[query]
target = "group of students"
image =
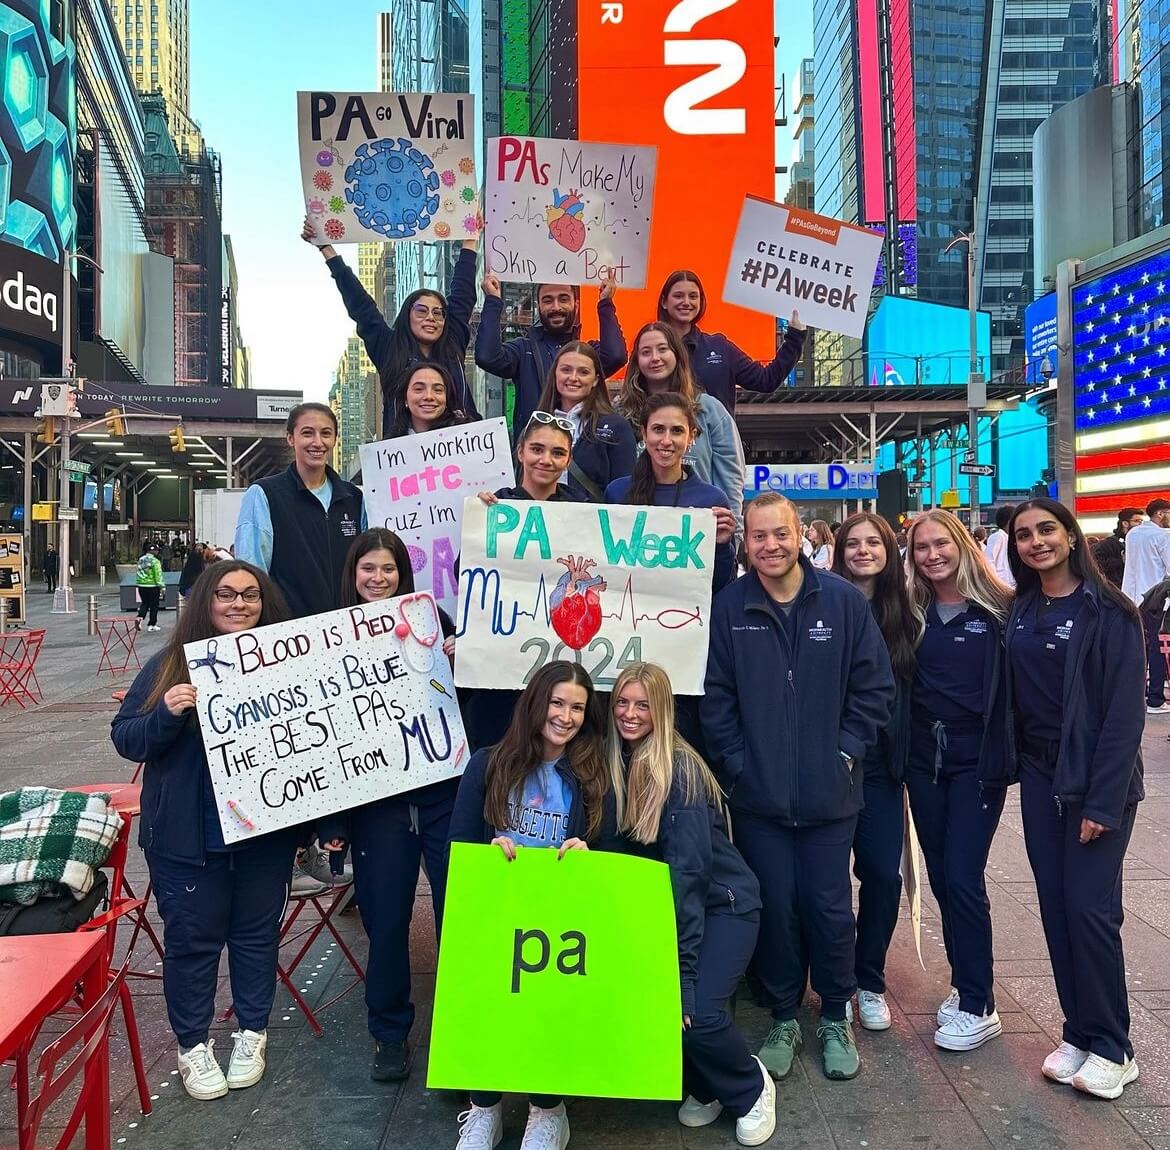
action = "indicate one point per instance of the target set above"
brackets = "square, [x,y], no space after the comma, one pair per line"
[828,693]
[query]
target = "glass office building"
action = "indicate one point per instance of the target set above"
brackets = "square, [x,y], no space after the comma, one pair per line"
[1147,64]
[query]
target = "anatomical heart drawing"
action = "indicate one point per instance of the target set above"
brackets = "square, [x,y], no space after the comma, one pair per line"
[575,602]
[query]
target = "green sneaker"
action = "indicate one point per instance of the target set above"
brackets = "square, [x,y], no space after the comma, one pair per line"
[838,1050]
[780,1047]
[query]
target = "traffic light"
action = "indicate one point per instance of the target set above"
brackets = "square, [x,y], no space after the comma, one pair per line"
[48,431]
[178,443]
[115,422]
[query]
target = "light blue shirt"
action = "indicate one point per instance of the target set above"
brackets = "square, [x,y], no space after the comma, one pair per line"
[538,816]
[253,540]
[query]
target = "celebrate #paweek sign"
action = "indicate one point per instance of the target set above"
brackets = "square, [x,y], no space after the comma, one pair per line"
[306,718]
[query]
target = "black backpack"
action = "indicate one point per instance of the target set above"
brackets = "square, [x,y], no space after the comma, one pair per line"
[53,913]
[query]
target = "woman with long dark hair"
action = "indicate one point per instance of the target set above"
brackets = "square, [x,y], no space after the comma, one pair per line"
[209,895]
[1076,682]
[392,836]
[542,786]
[866,554]
[667,806]
[428,400]
[603,444]
[428,326]
[719,365]
[958,771]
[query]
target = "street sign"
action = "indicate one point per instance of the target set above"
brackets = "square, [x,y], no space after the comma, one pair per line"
[77,466]
[987,469]
[969,456]
[69,514]
[117,526]
[917,485]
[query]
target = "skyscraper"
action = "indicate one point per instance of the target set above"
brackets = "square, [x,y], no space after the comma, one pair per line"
[1145,31]
[155,37]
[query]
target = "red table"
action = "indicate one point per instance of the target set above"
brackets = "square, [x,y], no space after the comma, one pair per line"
[118,634]
[37,974]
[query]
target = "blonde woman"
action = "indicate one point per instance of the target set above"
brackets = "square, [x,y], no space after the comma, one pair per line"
[821,538]
[667,806]
[958,770]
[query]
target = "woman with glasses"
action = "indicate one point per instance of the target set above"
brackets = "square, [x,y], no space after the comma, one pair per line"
[603,444]
[428,401]
[209,894]
[427,326]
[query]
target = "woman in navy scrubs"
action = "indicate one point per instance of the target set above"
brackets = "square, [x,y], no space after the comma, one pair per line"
[1076,681]
[958,769]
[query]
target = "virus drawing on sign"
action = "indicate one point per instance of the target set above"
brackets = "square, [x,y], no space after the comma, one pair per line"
[336,204]
[322,180]
[393,188]
[575,602]
[564,220]
[334,229]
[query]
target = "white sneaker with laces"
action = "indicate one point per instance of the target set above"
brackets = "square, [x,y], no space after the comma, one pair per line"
[546,1129]
[1105,1079]
[759,1123]
[246,1067]
[481,1127]
[1064,1062]
[948,1008]
[694,1113]
[202,1077]
[968,1031]
[872,1010]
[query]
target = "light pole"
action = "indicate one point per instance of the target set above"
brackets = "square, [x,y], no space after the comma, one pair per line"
[63,597]
[976,385]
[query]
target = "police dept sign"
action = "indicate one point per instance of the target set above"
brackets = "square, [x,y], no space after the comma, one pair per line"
[814,481]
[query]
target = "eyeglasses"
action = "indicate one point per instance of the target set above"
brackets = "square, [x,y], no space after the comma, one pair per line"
[545,418]
[227,595]
[423,312]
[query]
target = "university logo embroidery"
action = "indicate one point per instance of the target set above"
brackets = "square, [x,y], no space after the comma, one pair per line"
[820,633]
[975,627]
[1064,631]
[348,526]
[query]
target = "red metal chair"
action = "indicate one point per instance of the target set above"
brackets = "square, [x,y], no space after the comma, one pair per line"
[19,652]
[64,1059]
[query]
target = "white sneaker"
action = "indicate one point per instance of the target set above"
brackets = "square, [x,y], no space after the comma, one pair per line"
[1157,709]
[1064,1062]
[546,1129]
[246,1067]
[694,1113]
[948,1008]
[481,1127]
[1105,1079]
[968,1031]
[759,1123]
[202,1077]
[154,628]
[872,1010]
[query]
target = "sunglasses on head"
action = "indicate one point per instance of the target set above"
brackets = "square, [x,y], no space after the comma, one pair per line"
[545,418]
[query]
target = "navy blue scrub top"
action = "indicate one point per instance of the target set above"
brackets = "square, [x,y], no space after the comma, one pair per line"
[1039,650]
[948,675]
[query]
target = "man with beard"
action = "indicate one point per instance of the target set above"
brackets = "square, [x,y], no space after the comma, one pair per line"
[527,359]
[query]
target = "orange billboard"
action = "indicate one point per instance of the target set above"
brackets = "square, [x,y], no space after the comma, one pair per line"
[696,79]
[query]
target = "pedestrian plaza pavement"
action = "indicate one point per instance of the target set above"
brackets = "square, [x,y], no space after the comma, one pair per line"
[317,1094]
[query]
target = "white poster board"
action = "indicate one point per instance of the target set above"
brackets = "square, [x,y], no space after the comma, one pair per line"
[562,211]
[313,716]
[415,486]
[603,585]
[381,166]
[785,259]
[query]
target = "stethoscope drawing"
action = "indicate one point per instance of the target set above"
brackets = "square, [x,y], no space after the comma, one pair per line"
[210,660]
[404,630]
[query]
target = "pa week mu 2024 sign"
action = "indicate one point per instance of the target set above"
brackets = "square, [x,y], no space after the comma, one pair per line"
[379,166]
[306,718]
[415,486]
[785,259]
[603,585]
[563,211]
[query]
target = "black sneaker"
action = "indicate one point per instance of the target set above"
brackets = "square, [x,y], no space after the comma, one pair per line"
[391,1062]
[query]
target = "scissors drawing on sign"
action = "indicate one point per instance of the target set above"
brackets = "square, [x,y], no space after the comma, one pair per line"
[210,660]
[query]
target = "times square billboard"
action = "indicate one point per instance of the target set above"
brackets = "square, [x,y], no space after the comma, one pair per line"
[38,135]
[695,79]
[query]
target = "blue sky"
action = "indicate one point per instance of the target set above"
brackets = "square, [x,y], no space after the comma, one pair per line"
[247,62]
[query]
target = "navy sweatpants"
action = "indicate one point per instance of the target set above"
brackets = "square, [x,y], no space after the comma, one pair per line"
[1155,660]
[807,919]
[956,823]
[236,899]
[1080,905]
[717,1064]
[877,859]
[389,838]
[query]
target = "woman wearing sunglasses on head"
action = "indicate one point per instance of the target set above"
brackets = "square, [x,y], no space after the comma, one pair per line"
[1076,671]
[427,326]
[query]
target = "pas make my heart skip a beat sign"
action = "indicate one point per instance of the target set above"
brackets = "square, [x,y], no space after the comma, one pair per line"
[415,486]
[582,952]
[313,716]
[603,585]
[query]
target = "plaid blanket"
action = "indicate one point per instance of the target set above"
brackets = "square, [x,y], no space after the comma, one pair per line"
[50,839]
